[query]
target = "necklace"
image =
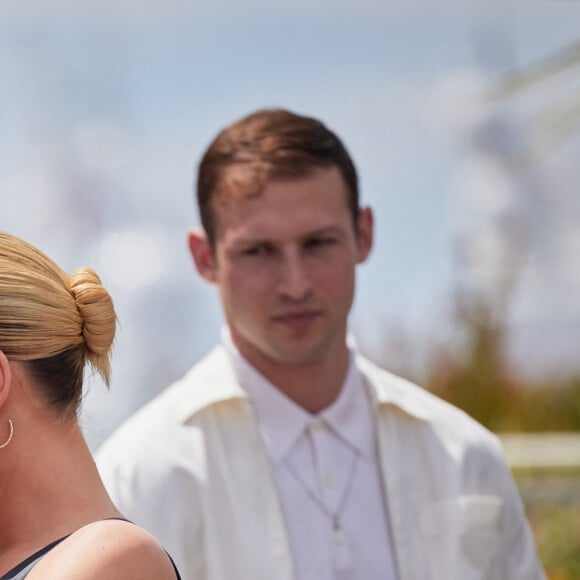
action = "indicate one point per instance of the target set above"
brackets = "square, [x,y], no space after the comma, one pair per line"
[341,551]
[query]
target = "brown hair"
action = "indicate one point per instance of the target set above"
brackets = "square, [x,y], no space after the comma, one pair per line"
[269,144]
[53,322]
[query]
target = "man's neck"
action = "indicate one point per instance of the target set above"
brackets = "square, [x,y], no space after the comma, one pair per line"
[313,386]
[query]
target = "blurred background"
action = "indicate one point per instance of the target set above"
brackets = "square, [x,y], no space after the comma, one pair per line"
[463,117]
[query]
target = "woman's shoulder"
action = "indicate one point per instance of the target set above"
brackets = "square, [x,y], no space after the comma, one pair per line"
[112,549]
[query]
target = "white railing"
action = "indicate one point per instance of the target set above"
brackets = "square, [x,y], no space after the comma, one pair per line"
[542,450]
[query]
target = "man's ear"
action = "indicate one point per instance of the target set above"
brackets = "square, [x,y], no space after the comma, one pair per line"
[5,378]
[202,255]
[365,233]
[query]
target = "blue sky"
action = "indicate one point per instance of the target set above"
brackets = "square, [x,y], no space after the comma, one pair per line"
[106,110]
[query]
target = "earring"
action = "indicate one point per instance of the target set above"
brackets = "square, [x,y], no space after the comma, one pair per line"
[11,429]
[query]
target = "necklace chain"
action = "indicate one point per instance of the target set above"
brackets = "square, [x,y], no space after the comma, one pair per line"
[334,516]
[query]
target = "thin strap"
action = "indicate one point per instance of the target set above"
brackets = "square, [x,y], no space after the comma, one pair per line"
[174,566]
[36,556]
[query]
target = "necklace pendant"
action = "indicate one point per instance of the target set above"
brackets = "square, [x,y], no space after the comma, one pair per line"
[342,556]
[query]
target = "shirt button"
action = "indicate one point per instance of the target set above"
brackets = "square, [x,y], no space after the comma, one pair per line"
[328,481]
[316,424]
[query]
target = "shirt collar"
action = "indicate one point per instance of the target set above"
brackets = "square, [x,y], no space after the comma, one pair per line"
[216,370]
[350,415]
[282,421]
[388,390]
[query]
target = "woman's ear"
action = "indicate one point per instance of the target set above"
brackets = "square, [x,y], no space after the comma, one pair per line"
[202,255]
[5,378]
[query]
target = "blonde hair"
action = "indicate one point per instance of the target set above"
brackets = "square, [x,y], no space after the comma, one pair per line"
[54,322]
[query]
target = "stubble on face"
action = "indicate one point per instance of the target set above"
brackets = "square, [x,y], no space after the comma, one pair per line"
[285,263]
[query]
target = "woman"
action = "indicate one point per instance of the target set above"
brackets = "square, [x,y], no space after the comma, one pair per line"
[56,519]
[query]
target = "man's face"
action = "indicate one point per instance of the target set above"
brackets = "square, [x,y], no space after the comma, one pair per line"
[284,262]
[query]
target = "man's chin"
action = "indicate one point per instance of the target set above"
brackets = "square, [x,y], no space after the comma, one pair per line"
[305,355]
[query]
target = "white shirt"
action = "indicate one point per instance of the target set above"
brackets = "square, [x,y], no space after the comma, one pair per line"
[191,466]
[327,475]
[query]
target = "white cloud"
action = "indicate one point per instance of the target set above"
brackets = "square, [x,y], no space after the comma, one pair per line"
[458,103]
[102,146]
[134,257]
[485,189]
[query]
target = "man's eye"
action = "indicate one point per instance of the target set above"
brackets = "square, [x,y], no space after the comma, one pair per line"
[319,242]
[261,250]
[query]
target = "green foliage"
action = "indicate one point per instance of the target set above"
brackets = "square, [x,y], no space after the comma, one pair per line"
[503,404]
[554,516]
[480,382]
[552,406]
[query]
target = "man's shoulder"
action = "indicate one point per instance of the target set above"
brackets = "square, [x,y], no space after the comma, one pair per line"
[200,387]
[418,404]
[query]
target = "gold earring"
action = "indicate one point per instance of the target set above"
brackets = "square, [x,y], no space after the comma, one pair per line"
[11,428]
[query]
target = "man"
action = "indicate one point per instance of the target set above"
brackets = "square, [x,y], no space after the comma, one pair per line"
[284,454]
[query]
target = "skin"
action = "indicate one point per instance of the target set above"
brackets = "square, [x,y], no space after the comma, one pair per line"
[108,549]
[284,262]
[50,488]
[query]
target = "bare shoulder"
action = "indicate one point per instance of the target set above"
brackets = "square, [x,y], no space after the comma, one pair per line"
[112,549]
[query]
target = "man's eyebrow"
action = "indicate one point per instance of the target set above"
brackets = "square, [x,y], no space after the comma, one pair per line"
[327,230]
[248,239]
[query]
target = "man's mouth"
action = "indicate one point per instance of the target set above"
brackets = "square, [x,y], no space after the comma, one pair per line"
[297,319]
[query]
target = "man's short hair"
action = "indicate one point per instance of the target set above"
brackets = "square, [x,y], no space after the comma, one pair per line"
[268,145]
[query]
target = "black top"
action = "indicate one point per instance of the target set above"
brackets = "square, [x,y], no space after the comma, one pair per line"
[21,570]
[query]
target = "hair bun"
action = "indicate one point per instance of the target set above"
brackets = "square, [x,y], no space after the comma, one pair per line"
[99,319]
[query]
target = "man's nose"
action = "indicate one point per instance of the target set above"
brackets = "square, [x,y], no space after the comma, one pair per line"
[295,281]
